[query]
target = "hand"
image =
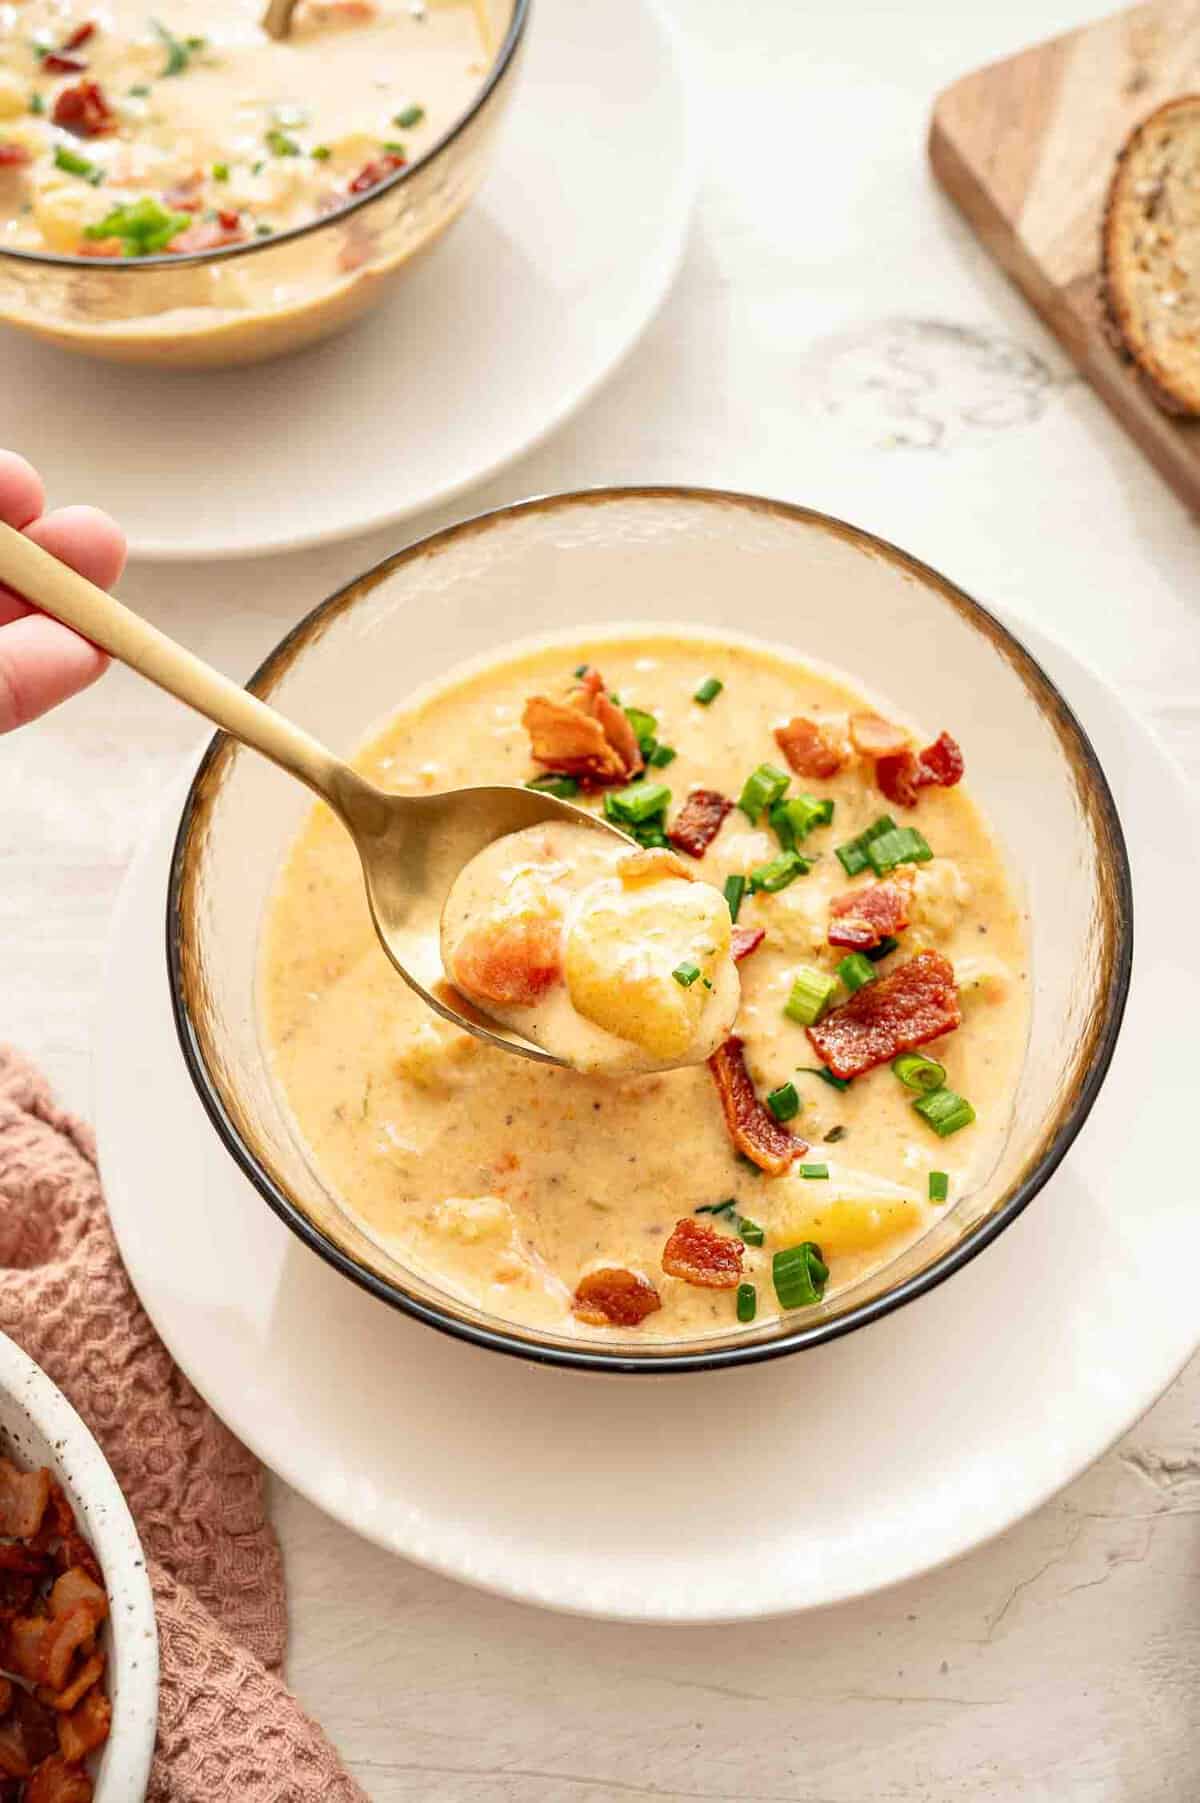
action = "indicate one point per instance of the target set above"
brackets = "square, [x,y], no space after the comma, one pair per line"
[41,661]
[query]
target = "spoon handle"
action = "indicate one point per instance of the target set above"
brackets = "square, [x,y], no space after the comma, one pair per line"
[71,598]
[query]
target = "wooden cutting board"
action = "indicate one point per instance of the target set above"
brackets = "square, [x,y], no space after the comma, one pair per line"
[1026,148]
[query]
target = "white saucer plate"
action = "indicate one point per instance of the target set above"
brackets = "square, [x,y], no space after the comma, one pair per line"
[486,346]
[706,1497]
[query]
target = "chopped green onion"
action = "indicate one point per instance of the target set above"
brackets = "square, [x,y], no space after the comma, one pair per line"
[939,1186]
[144,227]
[855,970]
[735,889]
[834,1134]
[708,691]
[918,1072]
[638,804]
[37,104]
[853,853]
[763,787]
[800,1275]
[750,1231]
[179,50]
[563,786]
[747,1302]
[661,756]
[903,845]
[321,153]
[280,144]
[140,92]
[685,974]
[827,1076]
[887,945]
[399,150]
[945,1111]
[412,115]
[718,1208]
[582,669]
[645,726]
[74,164]
[779,872]
[784,1102]
[651,838]
[262,230]
[795,817]
[814,1172]
[220,172]
[811,990]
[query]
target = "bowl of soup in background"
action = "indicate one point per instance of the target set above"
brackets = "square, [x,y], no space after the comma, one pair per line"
[686,559]
[242,302]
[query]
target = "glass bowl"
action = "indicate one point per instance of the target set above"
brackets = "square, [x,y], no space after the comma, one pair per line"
[697,559]
[248,302]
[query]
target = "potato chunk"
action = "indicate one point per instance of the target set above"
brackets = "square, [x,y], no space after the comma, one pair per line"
[845,1214]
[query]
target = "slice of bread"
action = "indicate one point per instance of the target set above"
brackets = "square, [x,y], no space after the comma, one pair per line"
[1150,253]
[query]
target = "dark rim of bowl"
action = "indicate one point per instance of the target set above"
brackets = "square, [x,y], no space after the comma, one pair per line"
[130,265]
[1059,1136]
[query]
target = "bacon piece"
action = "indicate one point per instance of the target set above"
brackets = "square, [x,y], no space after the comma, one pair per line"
[614,723]
[513,962]
[615,1297]
[57,1782]
[940,765]
[14,1760]
[702,1256]
[587,737]
[699,821]
[84,110]
[82,34]
[24,1561]
[24,1496]
[38,1726]
[376,171]
[863,917]
[810,750]
[78,1589]
[753,1129]
[14,156]
[894,1014]
[89,1673]
[746,940]
[876,737]
[207,234]
[58,62]
[86,1727]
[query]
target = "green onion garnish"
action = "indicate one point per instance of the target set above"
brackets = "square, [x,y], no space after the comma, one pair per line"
[800,1275]
[37,104]
[582,669]
[638,804]
[140,92]
[764,786]
[280,145]
[939,1186]
[220,172]
[179,50]
[645,726]
[887,945]
[918,1072]
[563,786]
[686,974]
[735,889]
[795,817]
[855,970]
[853,854]
[779,872]
[814,1172]
[903,845]
[718,1208]
[399,150]
[661,756]
[827,1076]
[708,691]
[74,164]
[945,1111]
[811,990]
[747,1302]
[321,153]
[144,227]
[262,230]
[750,1231]
[412,115]
[784,1102]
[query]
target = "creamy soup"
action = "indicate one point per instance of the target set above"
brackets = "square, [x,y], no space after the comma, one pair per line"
[131,129]
[881,961]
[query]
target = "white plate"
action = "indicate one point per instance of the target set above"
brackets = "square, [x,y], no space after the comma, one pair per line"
[708,1497]
[495,339]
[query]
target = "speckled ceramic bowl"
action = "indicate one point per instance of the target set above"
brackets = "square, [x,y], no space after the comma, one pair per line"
[39,1427]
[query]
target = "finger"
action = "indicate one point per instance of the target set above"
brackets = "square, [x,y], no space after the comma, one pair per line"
[41,664]
[21,494]
[81,536]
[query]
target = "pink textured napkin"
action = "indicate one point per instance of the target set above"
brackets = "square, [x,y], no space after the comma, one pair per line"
[228,1728]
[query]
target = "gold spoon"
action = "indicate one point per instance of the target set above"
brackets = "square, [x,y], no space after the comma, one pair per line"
[277,20]
[411,846]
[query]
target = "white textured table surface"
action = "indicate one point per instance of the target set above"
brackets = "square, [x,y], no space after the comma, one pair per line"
[835,337]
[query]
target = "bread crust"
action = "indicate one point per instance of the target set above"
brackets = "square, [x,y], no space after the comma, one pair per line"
[1174,394]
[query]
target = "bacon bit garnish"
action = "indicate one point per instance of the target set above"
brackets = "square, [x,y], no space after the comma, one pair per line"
[38,1726]
[24,1496]
[57,62]
[89,1673]
[25,1561]
[861,918]
[615,1297]
[57,1782]
[876,737]
[85,1728]
[699,821]
[207,234]
[702,1256]
[753,1129]
[85,111]
[376,171]
[511,962]
[746,940]
[587,737]
[810,750]
[894,1014]
[82,34]
[14,156]
[940,765]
